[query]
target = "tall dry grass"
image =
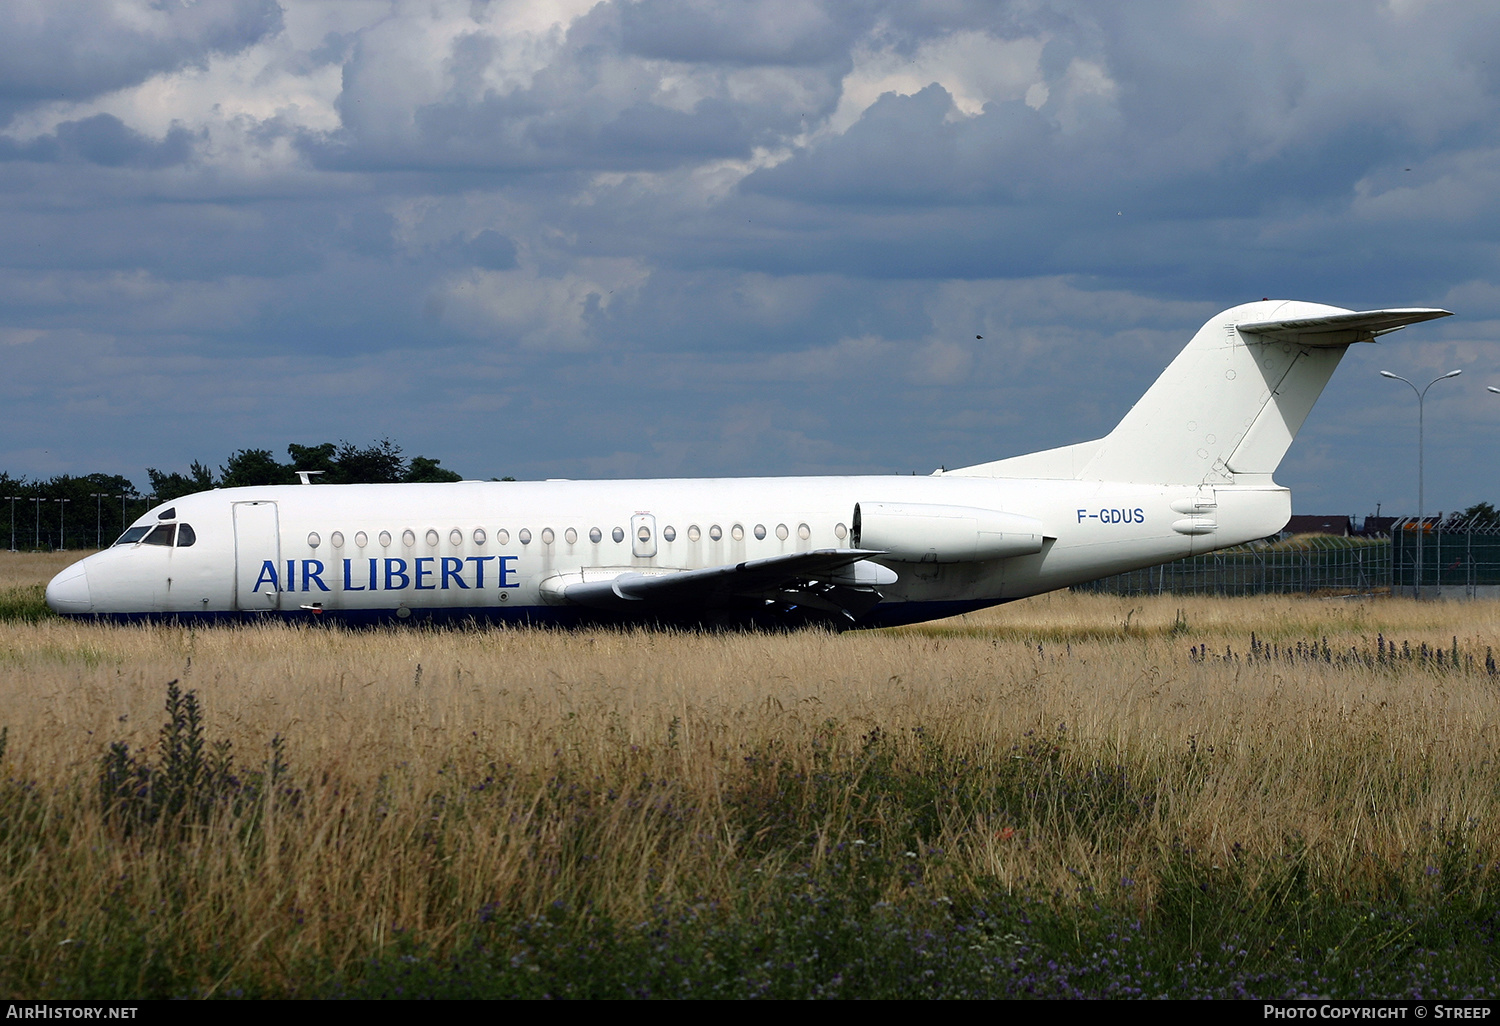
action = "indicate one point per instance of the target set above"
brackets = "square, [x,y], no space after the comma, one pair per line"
[1070,746]
[35,569]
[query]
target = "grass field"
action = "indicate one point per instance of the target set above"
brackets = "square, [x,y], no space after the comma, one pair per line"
[1072,795]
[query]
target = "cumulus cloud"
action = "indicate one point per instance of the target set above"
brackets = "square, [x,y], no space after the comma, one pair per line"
[103,139]
[583,90]
[75,49]
[534,310]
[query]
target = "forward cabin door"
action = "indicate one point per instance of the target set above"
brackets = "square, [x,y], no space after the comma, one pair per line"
[257,542]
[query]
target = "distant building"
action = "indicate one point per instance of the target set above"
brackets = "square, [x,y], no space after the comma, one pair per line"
[1342,527]
[1378,527]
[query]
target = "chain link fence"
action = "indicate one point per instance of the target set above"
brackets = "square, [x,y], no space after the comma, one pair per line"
[1445,557]
[1452,558]
[1304,565]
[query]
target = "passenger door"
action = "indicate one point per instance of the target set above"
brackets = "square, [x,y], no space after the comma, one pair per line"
[257,540]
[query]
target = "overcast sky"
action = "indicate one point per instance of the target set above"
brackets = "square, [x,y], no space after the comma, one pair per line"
[722,237]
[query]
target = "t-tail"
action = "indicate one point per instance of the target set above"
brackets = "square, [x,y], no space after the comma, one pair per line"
[1226,410]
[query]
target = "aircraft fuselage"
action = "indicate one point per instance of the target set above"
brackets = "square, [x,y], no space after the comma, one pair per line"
[487,550]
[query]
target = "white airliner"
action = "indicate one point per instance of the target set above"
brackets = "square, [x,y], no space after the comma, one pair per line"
[1188,470]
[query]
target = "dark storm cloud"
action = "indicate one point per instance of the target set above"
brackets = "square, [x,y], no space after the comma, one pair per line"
[45,225]
[909,150]
[1228,152]
[490,250]
[760,32]
[518,133]
[590,108]
[75,49]
[105,140]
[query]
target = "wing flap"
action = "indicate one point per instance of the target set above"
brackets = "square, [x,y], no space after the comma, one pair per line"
[835,580]
[1340,329]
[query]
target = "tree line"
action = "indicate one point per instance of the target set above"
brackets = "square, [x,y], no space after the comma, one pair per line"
[91,510]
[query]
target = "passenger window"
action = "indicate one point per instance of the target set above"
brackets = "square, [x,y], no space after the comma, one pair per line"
[596,535]
[132,536]
[618,534]
[760,532]
[669,533]
[160,535]
[185,535]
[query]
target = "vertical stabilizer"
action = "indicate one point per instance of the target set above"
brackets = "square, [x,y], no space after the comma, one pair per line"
[1235,397]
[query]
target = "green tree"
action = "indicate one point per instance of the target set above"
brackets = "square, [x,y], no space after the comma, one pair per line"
[346,463]
[1481,513]
[423,469]
[317,458]
[88,508]
[169,486]
[378,463]
[254,467]
[97,514]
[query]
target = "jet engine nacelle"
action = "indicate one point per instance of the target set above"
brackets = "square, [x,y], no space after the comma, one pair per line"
[928,533]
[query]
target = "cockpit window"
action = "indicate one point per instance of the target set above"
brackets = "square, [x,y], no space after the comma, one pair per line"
[169,513]
[132,536]
[185,535]
[160,535]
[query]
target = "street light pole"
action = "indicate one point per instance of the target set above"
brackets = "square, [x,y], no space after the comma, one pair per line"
[1421,493]
[98,498]
[37,543]
[62,524]
[13,499]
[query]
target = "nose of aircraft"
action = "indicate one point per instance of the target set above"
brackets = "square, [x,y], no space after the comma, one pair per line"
[69,591]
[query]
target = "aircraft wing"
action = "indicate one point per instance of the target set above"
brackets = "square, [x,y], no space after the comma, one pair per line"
[838,581]
[1340,329]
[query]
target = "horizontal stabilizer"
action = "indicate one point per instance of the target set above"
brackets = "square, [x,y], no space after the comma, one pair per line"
[1339,329]
[832,580]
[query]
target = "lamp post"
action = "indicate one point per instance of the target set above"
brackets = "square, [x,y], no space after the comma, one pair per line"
[99,498]
[13,499]
[62,524]
[1421,494]
[37,543]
